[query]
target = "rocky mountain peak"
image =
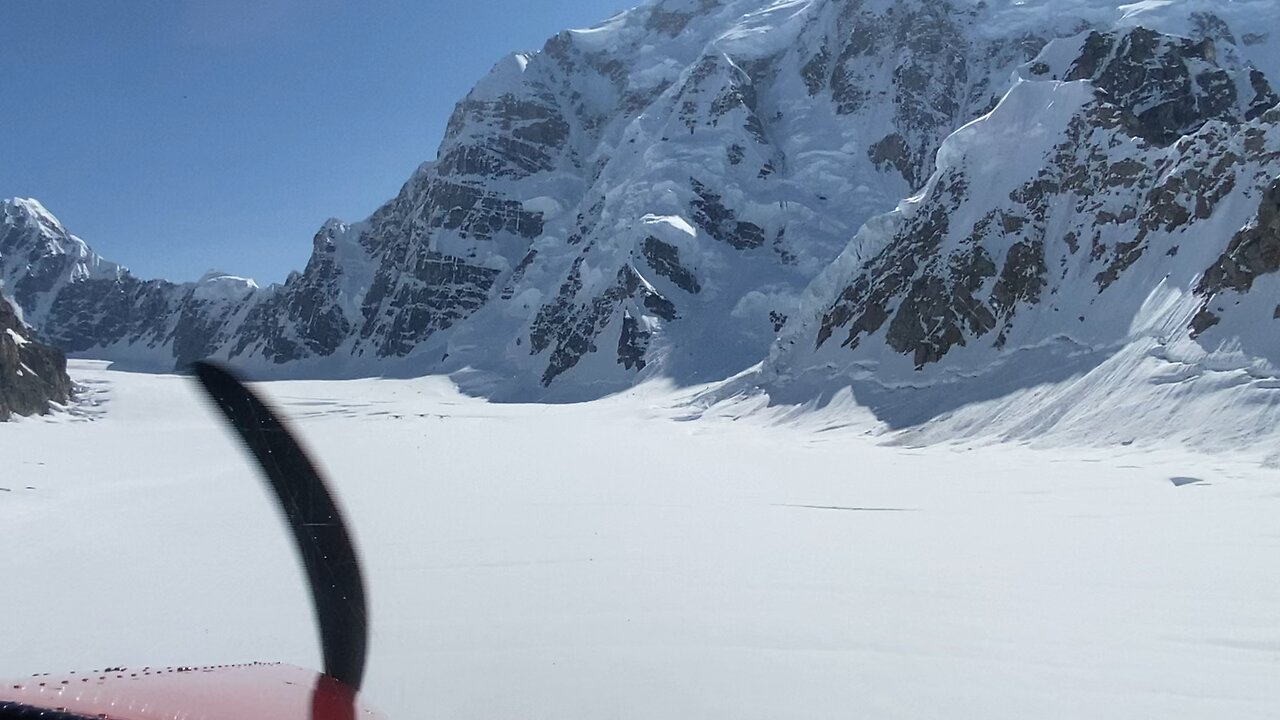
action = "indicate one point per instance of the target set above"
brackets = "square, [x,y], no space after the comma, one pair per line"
[28,212]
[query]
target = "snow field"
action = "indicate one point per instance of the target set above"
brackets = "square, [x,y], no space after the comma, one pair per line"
[626,559]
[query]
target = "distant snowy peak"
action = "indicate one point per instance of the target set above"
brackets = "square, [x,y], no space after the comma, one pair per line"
[30,211]
[506,78]
[84,304]
[32,229]
[217,285]
[38,257]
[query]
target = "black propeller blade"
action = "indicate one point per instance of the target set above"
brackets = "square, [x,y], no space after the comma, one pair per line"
[319,532]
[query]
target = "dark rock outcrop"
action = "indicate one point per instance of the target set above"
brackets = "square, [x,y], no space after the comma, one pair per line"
[32,375]
[664,258]
[1254,251]
[570,326]
[1169,87]
[928,298]
[721,223]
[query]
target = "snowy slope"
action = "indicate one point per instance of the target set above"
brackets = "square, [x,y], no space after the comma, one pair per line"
[794,574]
[1115,278]
[745,571]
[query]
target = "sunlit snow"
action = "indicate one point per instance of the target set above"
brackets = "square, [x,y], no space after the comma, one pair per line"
[632,558]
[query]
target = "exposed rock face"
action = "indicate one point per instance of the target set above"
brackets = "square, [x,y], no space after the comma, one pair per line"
[1168,87]
[654,196]
[665,260]
[1254,251]
[965,263]
[32,374]
[1143,207]
[719,222]
[572,327]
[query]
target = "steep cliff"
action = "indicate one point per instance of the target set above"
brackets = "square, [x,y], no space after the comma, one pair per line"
[32,374]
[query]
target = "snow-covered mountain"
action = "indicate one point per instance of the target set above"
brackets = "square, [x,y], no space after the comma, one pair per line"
[663,194]
[1114,278]
[86,305]
[32,375]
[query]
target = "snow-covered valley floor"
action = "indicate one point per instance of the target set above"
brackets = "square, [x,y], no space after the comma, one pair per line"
[620,560]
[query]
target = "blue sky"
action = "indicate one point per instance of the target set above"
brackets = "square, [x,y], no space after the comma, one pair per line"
[176,136]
